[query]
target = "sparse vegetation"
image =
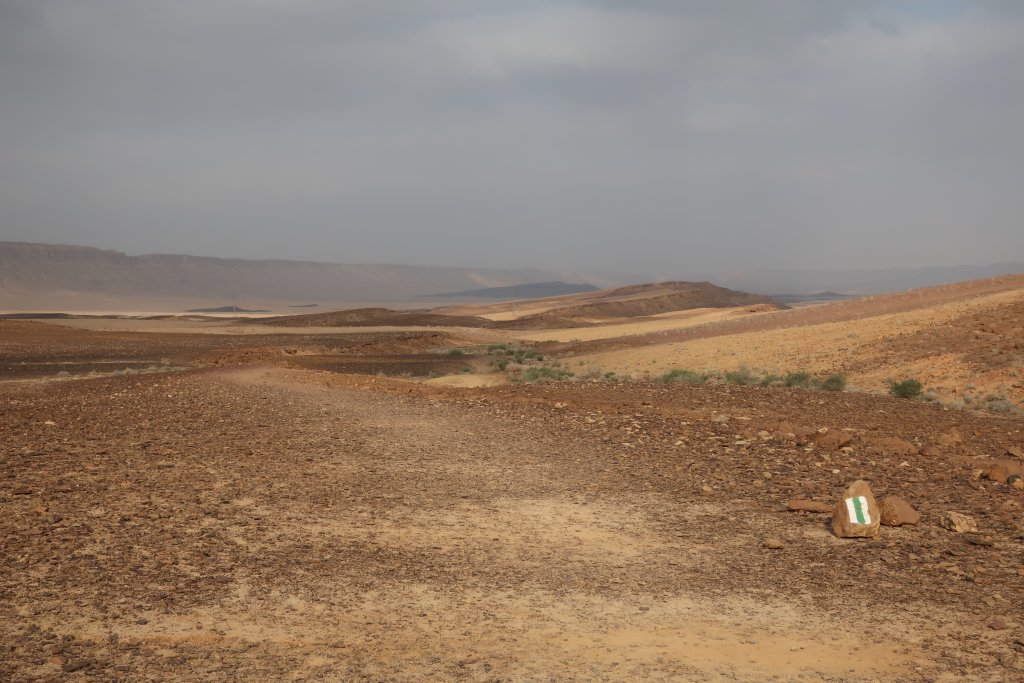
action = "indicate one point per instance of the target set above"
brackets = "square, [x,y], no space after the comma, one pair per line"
[687,376]
[908,388]
[742,376]
[456,352]
[544,373]
[835,382]
[797,379]
[500,363]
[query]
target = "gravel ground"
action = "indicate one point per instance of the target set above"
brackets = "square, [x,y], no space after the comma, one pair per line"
[259,523]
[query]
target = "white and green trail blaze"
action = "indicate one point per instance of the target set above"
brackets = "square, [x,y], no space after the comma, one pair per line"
[858,509]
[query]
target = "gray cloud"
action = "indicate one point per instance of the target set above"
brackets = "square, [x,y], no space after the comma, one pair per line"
[642,136]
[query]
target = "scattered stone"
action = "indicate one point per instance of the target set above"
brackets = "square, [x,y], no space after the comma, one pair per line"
[22,491]
[856,514]
[1015,452]
[960,523]
[801,505]
[774,544]
[1016,482]
[896,512]
[997,625]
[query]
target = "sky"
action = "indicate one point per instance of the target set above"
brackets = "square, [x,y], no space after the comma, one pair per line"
[649,136]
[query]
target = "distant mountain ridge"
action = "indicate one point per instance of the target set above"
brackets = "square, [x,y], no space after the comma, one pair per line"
[45,268]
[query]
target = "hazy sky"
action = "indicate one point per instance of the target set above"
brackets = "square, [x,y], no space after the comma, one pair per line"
[661,136]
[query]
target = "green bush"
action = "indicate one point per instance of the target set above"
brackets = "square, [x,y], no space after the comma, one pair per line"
[456,352]
[688,376]
[797,379]
[771,381]
[832,383]
[908,388]
[500,363]
[497,347]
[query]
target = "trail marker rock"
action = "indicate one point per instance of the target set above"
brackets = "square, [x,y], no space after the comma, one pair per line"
[856,514]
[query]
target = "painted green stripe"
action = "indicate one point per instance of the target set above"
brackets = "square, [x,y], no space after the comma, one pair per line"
[860,510]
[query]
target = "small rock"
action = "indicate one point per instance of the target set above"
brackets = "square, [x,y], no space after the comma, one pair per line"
[997,625]
[1016,482]
[801,505]
[1015,452]
[774,544]
[929,451]
[22,491]
[896,512]
[856,515]
[955,521]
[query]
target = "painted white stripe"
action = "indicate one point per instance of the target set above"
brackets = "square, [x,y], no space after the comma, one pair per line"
[851,511]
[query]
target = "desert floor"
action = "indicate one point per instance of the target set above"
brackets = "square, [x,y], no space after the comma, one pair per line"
[303,505]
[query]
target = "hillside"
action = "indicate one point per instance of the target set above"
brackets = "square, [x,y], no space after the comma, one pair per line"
[575,310]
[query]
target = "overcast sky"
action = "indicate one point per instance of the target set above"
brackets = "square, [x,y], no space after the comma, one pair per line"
[662,136]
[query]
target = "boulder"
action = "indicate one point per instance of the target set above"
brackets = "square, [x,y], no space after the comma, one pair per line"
[833,439]
[1001,470]
[801,505]
[896,512]
[955,521]
[856,514]
[894,446]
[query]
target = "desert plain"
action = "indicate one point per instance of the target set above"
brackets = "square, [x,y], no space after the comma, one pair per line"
[511,492]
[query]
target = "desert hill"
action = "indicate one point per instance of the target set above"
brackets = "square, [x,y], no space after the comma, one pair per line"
[573,310]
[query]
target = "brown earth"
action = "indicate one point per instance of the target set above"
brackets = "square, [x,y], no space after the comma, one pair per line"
[374,317]
[255,517]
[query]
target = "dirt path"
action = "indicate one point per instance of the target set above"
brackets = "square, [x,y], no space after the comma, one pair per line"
[254,524]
